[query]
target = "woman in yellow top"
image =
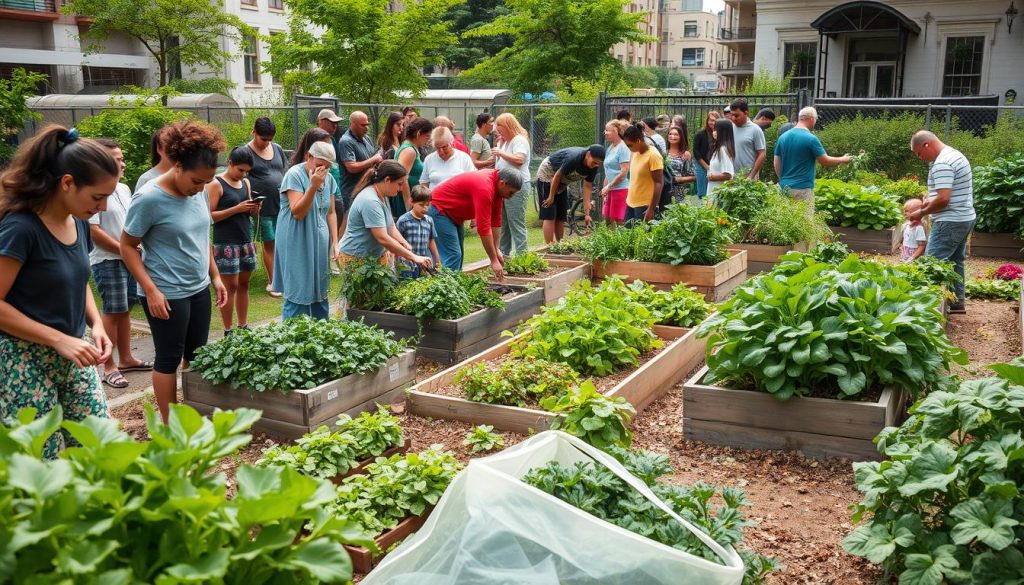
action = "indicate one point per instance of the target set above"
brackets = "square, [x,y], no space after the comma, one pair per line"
[645,176]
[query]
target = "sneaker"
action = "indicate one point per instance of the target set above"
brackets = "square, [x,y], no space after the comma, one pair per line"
[957,310]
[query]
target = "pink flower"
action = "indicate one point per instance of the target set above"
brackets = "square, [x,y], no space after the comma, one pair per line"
[1009,272]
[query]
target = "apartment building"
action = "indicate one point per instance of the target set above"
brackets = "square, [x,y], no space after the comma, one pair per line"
[689,43]
[737,35]
[641,54]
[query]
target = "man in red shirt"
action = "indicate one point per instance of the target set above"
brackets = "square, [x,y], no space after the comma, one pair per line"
[478,196]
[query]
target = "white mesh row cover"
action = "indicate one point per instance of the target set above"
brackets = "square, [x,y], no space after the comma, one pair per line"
[491,528]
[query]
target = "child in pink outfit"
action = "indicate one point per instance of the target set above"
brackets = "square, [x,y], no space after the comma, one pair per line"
[914,236]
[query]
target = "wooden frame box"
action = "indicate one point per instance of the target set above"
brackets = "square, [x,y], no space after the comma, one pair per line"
[399,450]
[652,379]
[984,245]
[763,257]
[556,285]
[451,341]
[363,561]
[818,427]
[714,282]
[885,241]
[290,415]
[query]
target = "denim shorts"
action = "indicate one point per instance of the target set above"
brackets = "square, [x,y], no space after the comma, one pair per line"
[116,286]
[235,258]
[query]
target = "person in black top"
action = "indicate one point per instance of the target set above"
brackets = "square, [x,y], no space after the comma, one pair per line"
[702,152]
[268,167]
[569,165]
[231,204]
[54,185]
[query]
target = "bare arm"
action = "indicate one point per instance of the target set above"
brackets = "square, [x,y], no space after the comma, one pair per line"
[355,167]
[332,227]
[394,246]
[758,163]
[777,163]
[832,161]
[493,254]
[658,176]
[104,240]
[588,192]
[618,178]
[937,203]
[514,158]
[215,191]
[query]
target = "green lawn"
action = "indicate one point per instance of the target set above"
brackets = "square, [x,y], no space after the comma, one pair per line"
[263,307]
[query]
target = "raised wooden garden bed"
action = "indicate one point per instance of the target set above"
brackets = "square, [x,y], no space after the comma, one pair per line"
[996,246]
[681,353]
[884,241]
[543,251]
[563,274]
[363,561]
[762,257]
[401,449]
[714,282]
[451,341]
[818,427]
[291,414]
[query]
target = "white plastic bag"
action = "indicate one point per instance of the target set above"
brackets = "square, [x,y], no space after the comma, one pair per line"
[491,528]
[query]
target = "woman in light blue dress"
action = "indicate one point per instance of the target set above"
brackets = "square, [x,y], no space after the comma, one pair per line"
[306,235]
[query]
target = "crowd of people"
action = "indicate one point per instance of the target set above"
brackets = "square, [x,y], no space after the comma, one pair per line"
[65,215]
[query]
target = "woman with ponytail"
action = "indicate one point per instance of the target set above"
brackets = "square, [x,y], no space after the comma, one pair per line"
[54,185]
[371,228]
[170,217]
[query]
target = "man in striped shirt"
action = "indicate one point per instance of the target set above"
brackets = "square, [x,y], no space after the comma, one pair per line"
[950,202]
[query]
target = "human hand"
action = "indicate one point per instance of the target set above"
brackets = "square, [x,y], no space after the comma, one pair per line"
[79,351]
[377,158]
[498,269]
[549,201]
[604,191]
[158,305]
[316,180]
[247,206]
[423,262]
[102,341]
[222,292]
[687,155]
[587,219]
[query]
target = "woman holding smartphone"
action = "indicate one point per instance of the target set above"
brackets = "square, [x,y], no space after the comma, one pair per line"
[231,205]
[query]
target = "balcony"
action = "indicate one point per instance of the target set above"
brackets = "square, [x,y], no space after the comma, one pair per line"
[36,10]
[737,35]
[736,69]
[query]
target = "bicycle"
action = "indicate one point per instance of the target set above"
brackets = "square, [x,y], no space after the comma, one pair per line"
[576,225]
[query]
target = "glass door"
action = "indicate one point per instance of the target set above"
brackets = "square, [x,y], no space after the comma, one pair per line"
[860,81]
[872,80]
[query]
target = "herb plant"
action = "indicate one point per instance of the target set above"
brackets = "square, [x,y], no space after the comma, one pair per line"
[946,505]
[592,416]
[839,330]
[447,295]
[295,354]
[686,234]
[483,438]
[679,307]
[783,221]
[516,381]
[596,331]
[929,270]
[992,289]
[526,263]
[114,510]
[741,199]
[367,284]
[568,246]
[999,196]
[597,491]
[850,205]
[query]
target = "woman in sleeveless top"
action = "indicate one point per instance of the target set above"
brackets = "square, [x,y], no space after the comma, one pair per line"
[231,206]
[417,134]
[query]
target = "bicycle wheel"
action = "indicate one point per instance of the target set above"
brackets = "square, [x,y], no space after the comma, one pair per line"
[576,224]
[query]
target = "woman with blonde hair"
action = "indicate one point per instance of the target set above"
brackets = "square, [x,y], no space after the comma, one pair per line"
[616,173]
[512,151]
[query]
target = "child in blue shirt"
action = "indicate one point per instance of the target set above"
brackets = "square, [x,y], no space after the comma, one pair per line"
[418,229]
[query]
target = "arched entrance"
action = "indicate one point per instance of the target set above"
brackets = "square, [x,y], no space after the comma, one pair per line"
[875,38]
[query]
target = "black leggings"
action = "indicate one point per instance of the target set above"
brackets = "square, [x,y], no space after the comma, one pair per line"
[180,336]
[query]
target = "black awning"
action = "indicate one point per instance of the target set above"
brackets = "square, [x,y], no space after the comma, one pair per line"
[864,16]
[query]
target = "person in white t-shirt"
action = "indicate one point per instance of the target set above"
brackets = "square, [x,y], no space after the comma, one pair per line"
[723,154]
[113,281]
[445,162]
[914,236]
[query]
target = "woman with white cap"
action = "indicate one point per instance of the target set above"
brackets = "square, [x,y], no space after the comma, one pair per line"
[307,228]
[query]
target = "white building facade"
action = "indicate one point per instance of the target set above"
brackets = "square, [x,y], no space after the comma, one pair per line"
[690,44]
[868,49]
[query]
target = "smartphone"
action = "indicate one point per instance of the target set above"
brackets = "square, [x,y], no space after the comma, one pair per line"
[259,198]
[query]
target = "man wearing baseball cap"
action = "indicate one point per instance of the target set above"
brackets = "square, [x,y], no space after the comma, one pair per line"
[569,165]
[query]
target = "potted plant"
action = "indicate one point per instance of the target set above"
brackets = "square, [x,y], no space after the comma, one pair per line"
[865,218]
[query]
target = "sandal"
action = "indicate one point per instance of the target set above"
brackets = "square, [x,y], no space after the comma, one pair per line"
[115,380]
[271,292]
[139,367]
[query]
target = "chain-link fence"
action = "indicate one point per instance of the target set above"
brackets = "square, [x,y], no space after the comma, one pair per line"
[696,107]
[942,119]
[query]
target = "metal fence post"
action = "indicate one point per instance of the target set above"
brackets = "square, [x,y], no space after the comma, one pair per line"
[295,120]
[600,117]
[949,121]
[928,117]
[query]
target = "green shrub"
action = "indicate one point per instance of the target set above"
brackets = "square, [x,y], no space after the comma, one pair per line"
[999,140]
[783,221]
[904,189]
[14,110]
[886,139]
[999,195]
[515,382]
[740,199]
[850,205]
[239,133]
[133,128]
[771,137]
[368,284]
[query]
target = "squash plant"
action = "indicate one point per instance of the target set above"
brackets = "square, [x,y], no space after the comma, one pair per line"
[946,507]
[114,510]
[842,330]
[850,205]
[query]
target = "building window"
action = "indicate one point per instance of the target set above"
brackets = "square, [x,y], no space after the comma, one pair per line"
[248,2]
[275,4]
[962,74]
[252,60]
[800,59]
[690,28]
[664,36]
[693,5]
[107,76]
[693,57]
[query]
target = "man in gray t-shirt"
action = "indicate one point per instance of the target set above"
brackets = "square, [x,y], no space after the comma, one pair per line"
[356,154]
[479,145]
[749,139]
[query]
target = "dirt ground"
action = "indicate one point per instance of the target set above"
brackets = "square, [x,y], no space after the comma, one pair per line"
[801,505]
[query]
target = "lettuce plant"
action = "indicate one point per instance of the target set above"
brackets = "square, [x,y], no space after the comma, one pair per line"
[850,205]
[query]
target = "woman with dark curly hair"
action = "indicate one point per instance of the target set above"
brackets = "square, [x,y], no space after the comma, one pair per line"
[175,270]
[55,184]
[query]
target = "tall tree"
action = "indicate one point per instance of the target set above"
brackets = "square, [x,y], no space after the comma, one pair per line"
[469,51]
[185,32]
[556,39]
[361,51]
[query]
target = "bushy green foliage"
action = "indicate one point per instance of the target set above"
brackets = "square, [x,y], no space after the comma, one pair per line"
[992,289]
[368,284]
[393,489]
[679,307]
[842,330]
[515,382]
[997,141]
[526,263]
[592,416]
[295,354]
[598,491]
[904,189]
[596,331]
[14,110]
[115,510]
[782,221]
[999,195]
[945,505]
[850,205]
[208,85]
[886,140]
[132,125]
[741,198]
[446,295]
[568,246]
[482,438]
[239,133]
[686,234]
[771,138]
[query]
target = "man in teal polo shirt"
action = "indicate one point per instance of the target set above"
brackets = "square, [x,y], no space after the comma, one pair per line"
[795,154]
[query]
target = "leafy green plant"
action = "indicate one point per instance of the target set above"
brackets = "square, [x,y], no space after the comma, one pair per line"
[393,489]
[592,416]
[904,189]
[568,246]
[526,263]
[858,163]
[114,510]
[14,110]
[885,138]
[929,270]
[483,438]
[368,284]
[999,196]
[374,432]
[741,199]
[635,243]
[992,289]
[446,295]
[515,382]
[833,330]
[596,331]
[598,491]
[679,307]
[689,234]
[783,221]
[946,505]
[295,354]
[850,205]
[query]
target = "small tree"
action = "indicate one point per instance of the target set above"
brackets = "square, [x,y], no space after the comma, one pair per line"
[14,109]
[183,32]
